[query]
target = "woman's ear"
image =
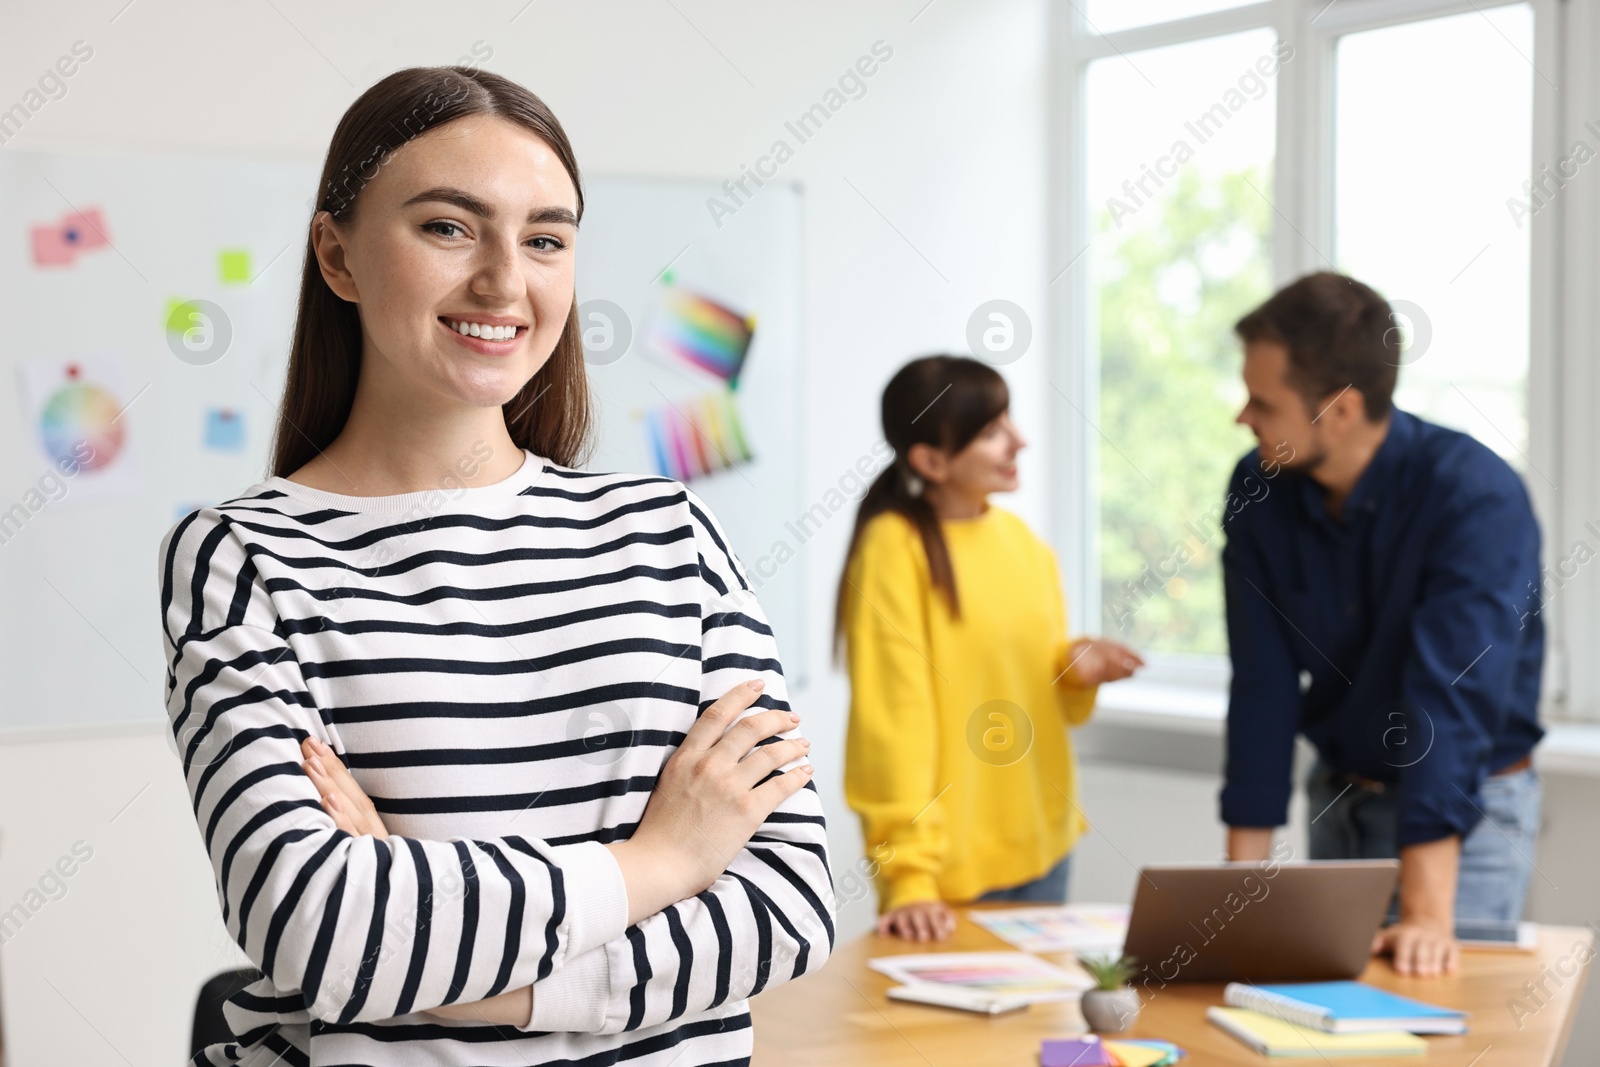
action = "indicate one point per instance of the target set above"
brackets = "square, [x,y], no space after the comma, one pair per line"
[328,241]
[931,464]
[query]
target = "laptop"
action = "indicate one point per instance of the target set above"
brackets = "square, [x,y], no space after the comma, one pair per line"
[1257,922]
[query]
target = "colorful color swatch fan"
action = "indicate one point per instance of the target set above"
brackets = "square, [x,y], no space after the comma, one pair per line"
[702,333]
[696,436]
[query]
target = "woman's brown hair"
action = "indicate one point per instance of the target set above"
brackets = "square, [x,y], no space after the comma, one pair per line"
[551,415]
[943,401]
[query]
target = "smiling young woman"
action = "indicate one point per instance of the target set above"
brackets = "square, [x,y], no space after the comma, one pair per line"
[492,756]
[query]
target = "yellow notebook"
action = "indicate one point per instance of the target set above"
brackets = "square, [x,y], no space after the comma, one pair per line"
[1274,1037]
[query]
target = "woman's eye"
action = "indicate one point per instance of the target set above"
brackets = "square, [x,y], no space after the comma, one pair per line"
[433,227]
[543,243]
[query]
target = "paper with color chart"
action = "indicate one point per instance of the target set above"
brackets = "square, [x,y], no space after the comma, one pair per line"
[1008,973]
[689,437]
[74,413]
[695,330]
[1066,928]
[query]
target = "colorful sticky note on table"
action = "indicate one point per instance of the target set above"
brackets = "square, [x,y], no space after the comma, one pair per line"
[58,244]
[1152,1054]
[224,429]
[1170,1053]
[233,266]
[1075,1052]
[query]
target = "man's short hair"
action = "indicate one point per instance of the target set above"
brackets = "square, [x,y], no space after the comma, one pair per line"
[1339,334]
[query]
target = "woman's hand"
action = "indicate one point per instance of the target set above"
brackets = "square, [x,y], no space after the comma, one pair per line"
[512,1008]
[923,920]
[1095,661]
[345,802]
[707,801]
[352,811]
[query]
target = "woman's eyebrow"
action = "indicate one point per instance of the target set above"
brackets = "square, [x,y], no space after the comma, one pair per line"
[467,202]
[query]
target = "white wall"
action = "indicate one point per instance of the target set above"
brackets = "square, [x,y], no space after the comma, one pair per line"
[924,198]
[107,966]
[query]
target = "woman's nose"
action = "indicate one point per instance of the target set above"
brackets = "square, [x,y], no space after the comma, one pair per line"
[499,276]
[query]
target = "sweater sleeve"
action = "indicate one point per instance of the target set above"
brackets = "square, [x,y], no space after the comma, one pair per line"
[890,749]
[347,929]
[1076,701]
[769,917]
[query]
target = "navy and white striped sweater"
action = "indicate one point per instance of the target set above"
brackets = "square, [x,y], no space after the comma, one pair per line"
[504,669]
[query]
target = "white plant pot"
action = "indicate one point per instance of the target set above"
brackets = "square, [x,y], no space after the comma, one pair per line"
[1110,1011]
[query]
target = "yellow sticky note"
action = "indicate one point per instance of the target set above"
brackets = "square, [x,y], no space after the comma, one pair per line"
[1134,1055]
[233,264]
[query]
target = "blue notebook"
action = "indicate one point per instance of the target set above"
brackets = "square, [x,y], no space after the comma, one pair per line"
[1345,1008]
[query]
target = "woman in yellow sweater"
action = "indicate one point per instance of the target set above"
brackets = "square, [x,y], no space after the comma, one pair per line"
[962,677]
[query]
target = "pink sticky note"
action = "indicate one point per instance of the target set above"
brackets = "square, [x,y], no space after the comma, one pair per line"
[59,244]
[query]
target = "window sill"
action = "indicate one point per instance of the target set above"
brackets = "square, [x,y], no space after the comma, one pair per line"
[1567,748]
[1158,706]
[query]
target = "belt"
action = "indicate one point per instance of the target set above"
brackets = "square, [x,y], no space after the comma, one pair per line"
[1512,768]
[1373,785]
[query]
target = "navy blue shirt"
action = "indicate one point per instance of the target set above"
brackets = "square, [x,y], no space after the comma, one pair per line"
[1414,615]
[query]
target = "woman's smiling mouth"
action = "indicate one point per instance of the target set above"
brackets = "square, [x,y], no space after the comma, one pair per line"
[488,335]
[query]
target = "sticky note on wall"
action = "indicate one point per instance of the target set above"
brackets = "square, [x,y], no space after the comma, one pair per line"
[233,266]
[224,429]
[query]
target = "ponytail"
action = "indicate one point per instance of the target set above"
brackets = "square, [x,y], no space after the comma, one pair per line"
[942,401]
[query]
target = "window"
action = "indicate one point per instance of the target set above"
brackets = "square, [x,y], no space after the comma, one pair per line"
[1434,136]
[1180,151]
[1108,16]
[1216,151]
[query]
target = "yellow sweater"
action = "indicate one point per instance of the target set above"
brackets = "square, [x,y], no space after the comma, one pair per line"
[957,757]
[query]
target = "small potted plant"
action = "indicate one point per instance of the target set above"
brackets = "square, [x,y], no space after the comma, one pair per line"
[1112,1005]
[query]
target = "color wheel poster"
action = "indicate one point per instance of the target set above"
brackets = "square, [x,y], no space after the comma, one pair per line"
[74,414]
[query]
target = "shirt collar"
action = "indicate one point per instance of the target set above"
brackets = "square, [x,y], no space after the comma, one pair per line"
[1376,482]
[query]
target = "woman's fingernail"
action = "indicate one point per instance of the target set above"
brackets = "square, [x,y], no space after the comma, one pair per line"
[805,743]
[794,716]
[332,800]
[316,765]
[757,684]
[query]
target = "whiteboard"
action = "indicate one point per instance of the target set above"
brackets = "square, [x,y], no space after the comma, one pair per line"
[191,419]
[633,230]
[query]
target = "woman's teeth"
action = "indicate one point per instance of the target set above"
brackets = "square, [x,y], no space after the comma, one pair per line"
[488,333]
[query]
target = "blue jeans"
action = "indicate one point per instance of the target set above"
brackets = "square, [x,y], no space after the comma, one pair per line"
[1496,854]
[1049,888]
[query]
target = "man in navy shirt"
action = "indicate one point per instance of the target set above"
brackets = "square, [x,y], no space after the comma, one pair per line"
[1383,600]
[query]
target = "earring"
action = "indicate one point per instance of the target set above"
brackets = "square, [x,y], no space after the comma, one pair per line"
[913,484]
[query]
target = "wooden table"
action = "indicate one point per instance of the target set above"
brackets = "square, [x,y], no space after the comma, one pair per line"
[840,1016]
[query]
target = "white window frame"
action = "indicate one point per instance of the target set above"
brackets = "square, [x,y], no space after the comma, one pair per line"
[1564,428]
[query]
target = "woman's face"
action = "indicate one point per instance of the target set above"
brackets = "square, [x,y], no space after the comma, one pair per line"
[472,222]
[988,464]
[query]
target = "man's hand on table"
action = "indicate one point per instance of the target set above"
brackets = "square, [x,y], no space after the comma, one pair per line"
[1423,942]
[1421,949]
